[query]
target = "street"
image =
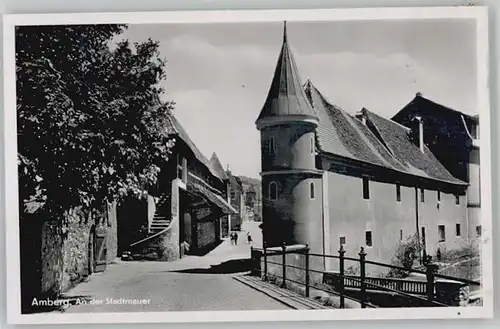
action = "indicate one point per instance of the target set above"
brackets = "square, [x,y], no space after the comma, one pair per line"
[189,284]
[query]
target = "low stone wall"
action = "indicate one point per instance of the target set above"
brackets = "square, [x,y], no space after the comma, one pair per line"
[65,248]
[75,250]
[112,233]
[51,265]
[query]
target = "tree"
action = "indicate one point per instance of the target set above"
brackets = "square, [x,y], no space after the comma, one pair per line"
[90,119]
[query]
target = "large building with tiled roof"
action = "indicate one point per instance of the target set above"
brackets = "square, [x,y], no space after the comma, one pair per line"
[453,137]
[330,178]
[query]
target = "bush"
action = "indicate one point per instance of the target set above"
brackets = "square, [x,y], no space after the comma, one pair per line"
[406,254]
[467,251]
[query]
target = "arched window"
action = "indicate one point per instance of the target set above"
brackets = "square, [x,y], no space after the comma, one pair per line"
[273,191]
[272,145]
[311,190]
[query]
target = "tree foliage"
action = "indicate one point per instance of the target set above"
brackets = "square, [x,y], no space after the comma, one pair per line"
[90,120]
[407,252]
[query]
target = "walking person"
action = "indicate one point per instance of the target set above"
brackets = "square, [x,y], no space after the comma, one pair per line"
[235,238]
[232,238]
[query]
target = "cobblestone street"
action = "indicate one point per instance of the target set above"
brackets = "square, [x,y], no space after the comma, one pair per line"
[190,284]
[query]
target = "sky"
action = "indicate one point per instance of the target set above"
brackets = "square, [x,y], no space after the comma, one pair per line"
[219,74]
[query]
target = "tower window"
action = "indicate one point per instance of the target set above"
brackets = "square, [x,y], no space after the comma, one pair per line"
[342,240]
[422,195]
[368,239]
[401,235]
[311,192]
[457,199]
[366,188]
[272,145]
[273,191]
[458,230]
[398,193]
[312,145]
[439,196]
[478,230]
[441,233]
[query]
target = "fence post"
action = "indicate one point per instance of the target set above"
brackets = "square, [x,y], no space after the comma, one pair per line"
[306,255]
[431,270]
[341,276]
[264,245]
[283,250]
[253,270]
[362,269]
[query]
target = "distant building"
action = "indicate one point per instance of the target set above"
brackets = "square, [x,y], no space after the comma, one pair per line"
[250,197]
[331,179]
[453,137]
[217,166]
[237,200]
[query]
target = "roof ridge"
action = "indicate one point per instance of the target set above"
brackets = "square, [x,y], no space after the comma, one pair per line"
[372,148]
[388,119]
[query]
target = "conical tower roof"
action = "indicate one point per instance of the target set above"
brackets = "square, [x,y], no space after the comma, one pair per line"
[286,100]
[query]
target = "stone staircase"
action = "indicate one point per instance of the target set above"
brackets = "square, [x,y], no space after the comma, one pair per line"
[162,217]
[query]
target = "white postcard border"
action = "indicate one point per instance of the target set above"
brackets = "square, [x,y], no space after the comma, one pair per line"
[480,14]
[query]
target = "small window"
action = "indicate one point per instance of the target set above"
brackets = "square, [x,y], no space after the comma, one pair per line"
[312,145]
[479,230]
[273,191]
[441,233]
[368,239]
[311,192]
[272,145]
[401,235]
[457,199]
[398,193]
[458,230]
[366,188]
[439,196]
[422,195]
[342,240]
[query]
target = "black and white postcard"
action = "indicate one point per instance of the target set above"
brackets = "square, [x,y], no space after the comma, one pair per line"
[248,165]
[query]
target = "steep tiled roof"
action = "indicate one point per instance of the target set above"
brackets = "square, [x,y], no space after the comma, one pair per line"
[174,127]
[217,166]
[234,181]
[381,142]
[211,197]
[424,103]
[286,95]
[397,137]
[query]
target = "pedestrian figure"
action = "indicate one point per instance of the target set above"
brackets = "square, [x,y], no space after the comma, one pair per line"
[235,238]
[232,237]
[249,238]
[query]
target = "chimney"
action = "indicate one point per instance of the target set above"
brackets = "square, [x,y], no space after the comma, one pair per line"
[420,133]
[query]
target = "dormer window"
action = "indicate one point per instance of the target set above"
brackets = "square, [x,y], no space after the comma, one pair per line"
[271,145]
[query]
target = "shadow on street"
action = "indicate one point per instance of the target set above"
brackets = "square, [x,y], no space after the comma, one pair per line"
[228,267]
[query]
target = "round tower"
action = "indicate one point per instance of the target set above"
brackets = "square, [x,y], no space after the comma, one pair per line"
[291,184]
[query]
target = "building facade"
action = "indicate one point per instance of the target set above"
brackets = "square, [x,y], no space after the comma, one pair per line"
[454,138]
[183,212]
[237,201]
[331,179]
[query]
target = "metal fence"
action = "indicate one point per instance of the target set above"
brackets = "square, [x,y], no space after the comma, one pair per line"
[343,284]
